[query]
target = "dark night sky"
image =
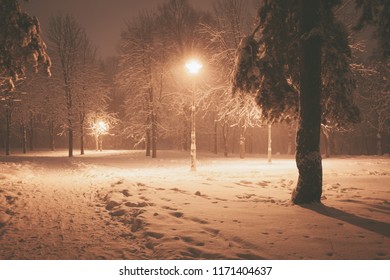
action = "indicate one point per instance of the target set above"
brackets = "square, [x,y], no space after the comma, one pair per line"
[102,19]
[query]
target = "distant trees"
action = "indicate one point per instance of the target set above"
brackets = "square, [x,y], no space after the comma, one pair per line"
[21,49]
[376,13]
[375,89]
[230,23]
[153,46]
[82,83]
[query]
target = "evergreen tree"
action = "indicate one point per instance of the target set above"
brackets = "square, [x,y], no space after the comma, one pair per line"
[20,45]
[297,61]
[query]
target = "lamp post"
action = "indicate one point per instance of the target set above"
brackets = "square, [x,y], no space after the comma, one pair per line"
[193,67]
[101,129]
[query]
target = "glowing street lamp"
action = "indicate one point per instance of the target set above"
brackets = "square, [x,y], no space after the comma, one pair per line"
[101,129]
[193,67]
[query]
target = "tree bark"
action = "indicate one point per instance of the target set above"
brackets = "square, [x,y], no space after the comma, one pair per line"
[308,157]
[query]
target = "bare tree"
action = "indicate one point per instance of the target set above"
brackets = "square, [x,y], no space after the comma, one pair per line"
[140,76]
[231,23]
[66,37]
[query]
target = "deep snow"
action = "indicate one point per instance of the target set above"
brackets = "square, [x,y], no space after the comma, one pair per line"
[122,205]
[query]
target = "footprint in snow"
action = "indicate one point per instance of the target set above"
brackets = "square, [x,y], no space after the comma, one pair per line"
[177,214]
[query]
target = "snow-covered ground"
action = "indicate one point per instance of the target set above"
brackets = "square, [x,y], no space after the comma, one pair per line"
[122,205]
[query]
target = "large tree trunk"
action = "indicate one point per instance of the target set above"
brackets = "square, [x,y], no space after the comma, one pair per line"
[308,157]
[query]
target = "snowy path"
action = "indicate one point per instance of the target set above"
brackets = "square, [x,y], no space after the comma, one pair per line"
[55,218]
[123,206]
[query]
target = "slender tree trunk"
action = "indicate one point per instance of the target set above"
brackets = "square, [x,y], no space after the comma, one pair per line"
[233,140]
[269,150]
[308,157]
[225,131]
[148,140]
[81,139]
[379,143]
[24,137]
[69,105]
[242,141]
[153,123]
[154,134]
[325,133]
[215,136]
[101,142]
[290,139]
[51,133]
[82,136]
[8,131]
[97,142]
[70,142]
[332,145]
[31,140]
